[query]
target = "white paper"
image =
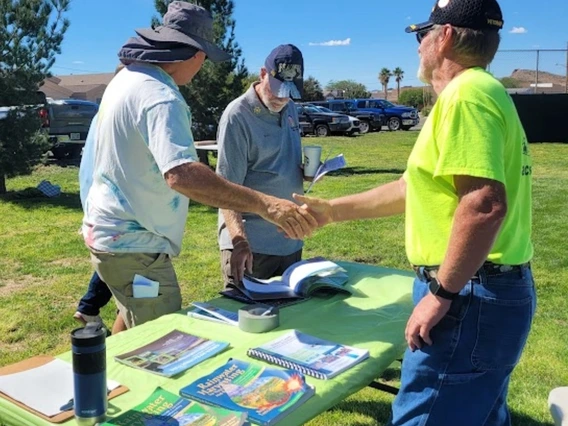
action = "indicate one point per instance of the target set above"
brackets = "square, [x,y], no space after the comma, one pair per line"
[331,165]
[46,388]
[143,287]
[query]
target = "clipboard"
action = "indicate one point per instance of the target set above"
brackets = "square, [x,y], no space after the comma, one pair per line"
[38,361]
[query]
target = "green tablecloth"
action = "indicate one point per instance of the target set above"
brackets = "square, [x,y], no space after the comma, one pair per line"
[374,318]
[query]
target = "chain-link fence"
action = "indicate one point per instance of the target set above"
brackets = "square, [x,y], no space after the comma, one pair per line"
[532,71]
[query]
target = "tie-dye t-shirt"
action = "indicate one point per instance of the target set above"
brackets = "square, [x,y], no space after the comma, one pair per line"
[142,130]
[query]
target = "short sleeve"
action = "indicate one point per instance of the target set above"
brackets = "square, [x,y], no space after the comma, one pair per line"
[232,160]
[471,142]
[169,135]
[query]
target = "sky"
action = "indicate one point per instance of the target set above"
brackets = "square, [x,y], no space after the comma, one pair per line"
[339,39]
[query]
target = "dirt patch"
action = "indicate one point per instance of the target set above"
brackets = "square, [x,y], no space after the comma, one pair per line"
[66,263]
[10,286]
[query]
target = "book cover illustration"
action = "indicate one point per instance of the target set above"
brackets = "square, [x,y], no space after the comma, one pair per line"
[310,355]
[164,408]
[172,354]
[266,394]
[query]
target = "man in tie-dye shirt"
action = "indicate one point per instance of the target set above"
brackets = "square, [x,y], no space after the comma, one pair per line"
[145,167]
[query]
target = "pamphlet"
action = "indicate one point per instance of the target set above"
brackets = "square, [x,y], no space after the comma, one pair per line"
[164,408]
[309,355]
[327,166]
[210,312]
[171,354]
[266,394]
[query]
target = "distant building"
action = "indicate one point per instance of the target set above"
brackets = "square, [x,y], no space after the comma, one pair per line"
[89,87]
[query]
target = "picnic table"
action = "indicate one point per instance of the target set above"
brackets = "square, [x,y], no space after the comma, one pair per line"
[204,148]
[373,318]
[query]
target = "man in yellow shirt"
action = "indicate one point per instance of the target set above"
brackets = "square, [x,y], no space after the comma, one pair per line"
[466,194]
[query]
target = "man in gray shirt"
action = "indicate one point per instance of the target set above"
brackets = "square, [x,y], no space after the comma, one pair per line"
[260,148]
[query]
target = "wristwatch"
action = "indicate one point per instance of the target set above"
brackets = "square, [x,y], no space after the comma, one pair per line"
[436,289]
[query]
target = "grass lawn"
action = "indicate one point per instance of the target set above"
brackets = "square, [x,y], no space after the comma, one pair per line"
[44,267]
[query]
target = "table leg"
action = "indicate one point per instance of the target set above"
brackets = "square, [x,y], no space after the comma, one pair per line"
[383,387]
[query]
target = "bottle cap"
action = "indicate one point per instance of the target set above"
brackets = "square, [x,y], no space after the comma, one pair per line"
[92,334]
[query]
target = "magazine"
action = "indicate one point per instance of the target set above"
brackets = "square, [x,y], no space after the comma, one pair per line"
[300,280]
[309,355]
[233,293]
[266,394]
[171,354]
[164,408]
[209,312]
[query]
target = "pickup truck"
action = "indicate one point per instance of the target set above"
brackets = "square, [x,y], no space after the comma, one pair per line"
[320,123]
[69,122]
[369,121]
[397,117]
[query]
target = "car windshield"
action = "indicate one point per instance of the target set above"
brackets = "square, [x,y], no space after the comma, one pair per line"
[350,106]
[324,109]
[311,109]
[387,104]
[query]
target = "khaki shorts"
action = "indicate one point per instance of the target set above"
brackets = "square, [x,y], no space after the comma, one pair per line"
[117,270]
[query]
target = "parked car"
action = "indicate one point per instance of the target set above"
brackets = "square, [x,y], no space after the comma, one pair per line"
[355,123]
[69,122]
[320,123]
[397,116]
[39,103]
[369,121]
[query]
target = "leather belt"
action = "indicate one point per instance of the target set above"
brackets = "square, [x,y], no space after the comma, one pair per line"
[428,272]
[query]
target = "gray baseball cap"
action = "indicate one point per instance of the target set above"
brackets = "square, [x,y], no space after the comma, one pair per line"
[189,24]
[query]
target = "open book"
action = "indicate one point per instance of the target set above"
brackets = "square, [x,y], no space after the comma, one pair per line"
[299,280]
[309,355]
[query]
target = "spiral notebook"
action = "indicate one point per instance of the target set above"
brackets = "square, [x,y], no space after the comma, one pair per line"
[309,355]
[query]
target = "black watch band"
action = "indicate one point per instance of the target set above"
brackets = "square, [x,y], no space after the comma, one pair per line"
[436,289]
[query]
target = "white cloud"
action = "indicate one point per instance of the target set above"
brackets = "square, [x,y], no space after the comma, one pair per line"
[408,18]
[519,30]
[345,42]
[78,62]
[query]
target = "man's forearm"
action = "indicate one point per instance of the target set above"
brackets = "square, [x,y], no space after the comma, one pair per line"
[234,224]
[198,182]
[385,200]
[473,234]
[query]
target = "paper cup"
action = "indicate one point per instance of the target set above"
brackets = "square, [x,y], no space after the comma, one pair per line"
[312,158]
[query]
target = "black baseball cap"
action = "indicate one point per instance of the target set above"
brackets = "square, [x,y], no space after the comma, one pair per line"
[474,14]
[285,66]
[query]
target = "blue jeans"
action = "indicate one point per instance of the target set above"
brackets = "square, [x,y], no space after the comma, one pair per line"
[463,378]
[97,296]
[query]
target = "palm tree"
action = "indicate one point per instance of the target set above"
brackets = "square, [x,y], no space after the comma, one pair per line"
[384,77]
[398,74]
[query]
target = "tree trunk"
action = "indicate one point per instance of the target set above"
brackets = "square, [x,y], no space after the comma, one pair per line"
[2,183]
[397,90]
[386,93]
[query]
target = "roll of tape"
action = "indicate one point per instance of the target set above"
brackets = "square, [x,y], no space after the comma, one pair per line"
[252,320]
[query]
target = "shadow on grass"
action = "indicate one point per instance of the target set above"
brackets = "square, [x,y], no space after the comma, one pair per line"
[365,171]
[518,419]
[32,198]
[377,410]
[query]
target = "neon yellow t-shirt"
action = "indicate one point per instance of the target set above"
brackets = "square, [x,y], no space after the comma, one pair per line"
[473,130]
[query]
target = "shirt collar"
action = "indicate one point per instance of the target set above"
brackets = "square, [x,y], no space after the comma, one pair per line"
[260,110]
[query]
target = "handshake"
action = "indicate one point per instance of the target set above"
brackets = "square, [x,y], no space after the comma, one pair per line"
[298,221]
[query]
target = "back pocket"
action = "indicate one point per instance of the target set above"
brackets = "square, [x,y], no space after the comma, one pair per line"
[502,331]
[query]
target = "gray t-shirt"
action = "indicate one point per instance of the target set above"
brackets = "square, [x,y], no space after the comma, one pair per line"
[260,150]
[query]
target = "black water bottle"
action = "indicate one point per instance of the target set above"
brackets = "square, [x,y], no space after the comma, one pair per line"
[89,374]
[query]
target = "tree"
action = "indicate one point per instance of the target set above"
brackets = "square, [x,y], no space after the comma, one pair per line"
[251,78]
[216,84]
[349,89]
[312,90]
[398,74]
[416,97]
[31,32]
[384,78]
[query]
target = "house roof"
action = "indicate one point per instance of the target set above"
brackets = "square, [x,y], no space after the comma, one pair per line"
[85,79]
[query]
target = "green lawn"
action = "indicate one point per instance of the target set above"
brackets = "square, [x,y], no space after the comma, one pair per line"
[44,267]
